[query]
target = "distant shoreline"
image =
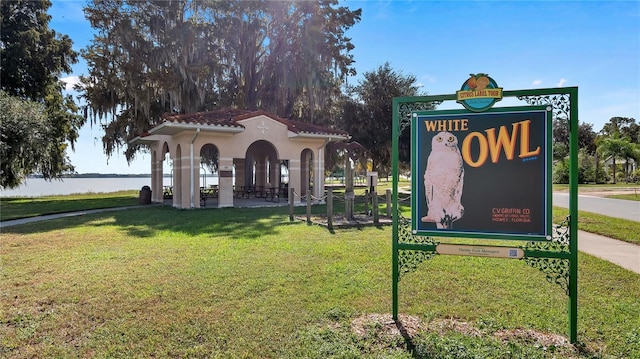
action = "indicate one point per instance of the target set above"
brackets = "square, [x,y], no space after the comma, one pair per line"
[100,175]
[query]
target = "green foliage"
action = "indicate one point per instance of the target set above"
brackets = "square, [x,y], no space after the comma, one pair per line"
[33,57]
[622,127]
[618,148]
[561,171]
[367,117]
[148,58]
[560,151]
[460,346]
[617,228]
[587,167]
[29,142]
[561,136]
[209,157]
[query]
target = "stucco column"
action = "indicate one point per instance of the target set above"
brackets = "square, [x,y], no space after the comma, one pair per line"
[295,178]
[177,177]
[156,178]
[225,182]
[185,175]
[318,180]
[196,182]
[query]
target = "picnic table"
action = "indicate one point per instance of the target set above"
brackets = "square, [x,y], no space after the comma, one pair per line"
[272,194]
[208,192]
[167,192]
[243,191]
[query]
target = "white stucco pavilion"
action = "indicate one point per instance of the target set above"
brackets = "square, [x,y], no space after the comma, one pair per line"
[253,145]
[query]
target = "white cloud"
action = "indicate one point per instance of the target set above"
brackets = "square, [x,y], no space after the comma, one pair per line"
[536,82]
[70,81]
[429,78]
[562,82]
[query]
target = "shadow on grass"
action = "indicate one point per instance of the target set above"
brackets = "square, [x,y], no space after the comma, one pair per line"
[16,208]
[241,223]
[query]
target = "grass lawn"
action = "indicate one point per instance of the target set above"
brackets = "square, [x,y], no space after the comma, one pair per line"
[622,229]
[23,207]
[247,283]
[633,190]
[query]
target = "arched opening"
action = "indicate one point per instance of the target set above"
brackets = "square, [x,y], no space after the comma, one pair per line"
[209,162]
[166,173]
[267,168]
[260,172]
[209,174]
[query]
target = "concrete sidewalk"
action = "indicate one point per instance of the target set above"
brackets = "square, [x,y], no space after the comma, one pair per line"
[624,254]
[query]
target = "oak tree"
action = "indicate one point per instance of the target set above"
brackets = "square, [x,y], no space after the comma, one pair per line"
[32,59]
[147,58]
[367,115]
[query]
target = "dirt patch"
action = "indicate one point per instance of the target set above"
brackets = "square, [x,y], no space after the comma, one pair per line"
[442,326]
[531,337]
[385,328]
[384,324]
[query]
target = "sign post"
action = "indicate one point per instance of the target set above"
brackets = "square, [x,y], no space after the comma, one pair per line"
[485,173]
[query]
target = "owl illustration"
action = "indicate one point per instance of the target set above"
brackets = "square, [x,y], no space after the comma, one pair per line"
[443,181]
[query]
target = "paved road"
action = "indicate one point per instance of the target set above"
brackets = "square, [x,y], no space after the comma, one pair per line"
[606,206]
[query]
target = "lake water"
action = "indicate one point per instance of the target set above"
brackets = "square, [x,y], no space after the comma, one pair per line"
[37,187]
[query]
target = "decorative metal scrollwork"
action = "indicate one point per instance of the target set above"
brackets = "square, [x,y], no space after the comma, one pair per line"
[555,269]
[558,243]
[405,110]
[408,260]
[560,103]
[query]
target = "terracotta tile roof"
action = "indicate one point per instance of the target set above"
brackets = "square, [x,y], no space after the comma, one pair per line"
[231,117]
[219,117]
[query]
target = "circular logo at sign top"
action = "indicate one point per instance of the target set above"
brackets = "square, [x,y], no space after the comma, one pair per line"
[479,93]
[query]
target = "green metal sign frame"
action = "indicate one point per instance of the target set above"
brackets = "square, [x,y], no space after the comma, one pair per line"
[554,253]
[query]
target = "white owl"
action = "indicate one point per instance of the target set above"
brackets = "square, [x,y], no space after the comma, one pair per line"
[443,180]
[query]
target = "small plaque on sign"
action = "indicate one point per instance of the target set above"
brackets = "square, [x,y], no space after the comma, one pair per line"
[479,251]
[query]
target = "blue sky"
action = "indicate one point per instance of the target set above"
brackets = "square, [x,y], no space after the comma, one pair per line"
[594,45]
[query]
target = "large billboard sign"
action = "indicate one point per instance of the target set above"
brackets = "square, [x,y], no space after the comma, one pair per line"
[482,174]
